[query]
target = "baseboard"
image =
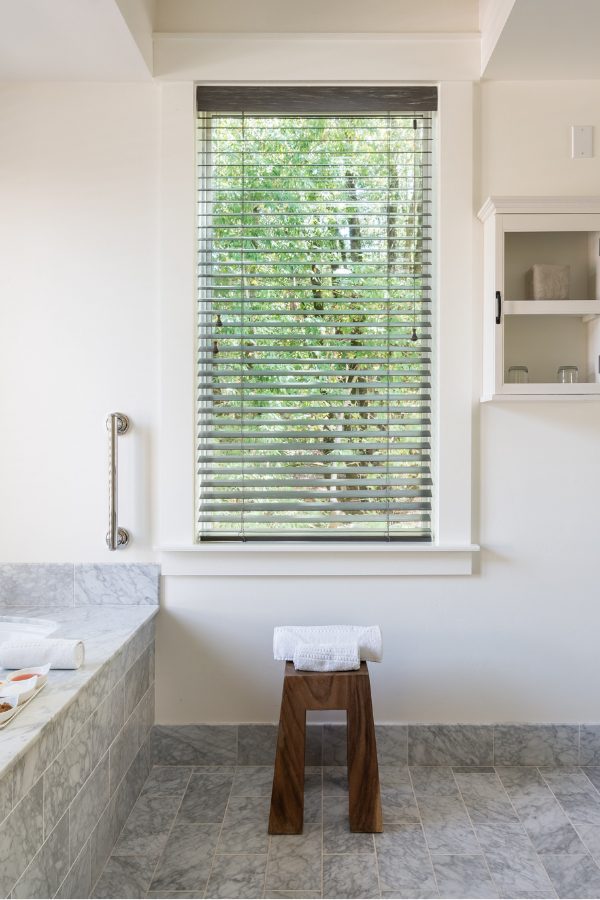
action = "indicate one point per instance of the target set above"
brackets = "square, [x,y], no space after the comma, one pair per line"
[502,744]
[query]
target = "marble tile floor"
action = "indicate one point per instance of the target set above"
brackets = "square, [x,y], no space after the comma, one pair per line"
[513,832]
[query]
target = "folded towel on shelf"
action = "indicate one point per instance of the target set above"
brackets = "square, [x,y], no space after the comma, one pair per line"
[367,637]
[326,657]
[20,652]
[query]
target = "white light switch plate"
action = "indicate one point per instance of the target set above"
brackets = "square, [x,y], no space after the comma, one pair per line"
[582,141]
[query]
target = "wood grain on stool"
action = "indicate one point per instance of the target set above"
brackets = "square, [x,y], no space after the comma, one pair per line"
[325,690]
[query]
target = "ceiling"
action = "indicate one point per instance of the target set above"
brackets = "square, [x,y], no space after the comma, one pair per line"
[324,16]
[548,40]
[112,40]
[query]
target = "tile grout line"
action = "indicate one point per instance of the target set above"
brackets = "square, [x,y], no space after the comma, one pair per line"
[435,881]
[574,826]
[482,851]
[212,864]
[170,829]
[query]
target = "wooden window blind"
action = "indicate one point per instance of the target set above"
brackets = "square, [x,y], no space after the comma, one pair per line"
[314,314]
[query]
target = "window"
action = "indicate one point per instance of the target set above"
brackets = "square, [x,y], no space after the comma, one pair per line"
[314,311]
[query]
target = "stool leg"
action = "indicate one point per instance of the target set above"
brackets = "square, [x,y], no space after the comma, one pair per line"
[363,771]
[287,798]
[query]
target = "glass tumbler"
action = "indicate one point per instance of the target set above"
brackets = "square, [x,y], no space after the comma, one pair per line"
[567,375]
[518,375]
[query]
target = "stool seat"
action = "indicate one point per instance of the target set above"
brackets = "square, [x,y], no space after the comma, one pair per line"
[350,691]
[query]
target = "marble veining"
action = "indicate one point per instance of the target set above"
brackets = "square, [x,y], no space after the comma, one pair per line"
[45,585]
[116,584]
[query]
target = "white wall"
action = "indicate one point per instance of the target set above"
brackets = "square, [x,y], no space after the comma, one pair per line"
[78,314]
[77,337]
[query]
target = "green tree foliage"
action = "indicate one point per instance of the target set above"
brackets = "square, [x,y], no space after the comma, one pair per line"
[314,272]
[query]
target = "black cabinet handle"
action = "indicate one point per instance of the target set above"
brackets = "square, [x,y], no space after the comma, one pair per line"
[498,307]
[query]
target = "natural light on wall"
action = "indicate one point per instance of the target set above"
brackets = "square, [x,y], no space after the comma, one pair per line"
[314,324]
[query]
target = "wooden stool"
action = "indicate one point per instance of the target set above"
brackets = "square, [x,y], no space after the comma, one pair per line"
[325,690]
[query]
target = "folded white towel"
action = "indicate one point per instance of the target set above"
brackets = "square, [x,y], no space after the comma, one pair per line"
[368,638]
[326,657]
[18,653]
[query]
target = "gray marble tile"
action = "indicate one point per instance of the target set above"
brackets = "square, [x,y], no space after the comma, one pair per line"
[394,776]
[350,876]
[541,815]
[589,745]
[78,882]
[147,828]
[36,584]
[437,781]
[186,861]
[125,746]
[313,796]
[450,745]
[88,805]
[300,895]
[399,805]
[548,892]
[447,826]
[573,876]
[590,836]
[404,861]
[512,861]
[34,761]
[194,745]
[593,773]
[576,794]
[106,722]
[124,877]
[178,894]
[205,799]
[21,836]
[411,893]
[337,837]
[472,770]
[237,876]
[536,745]
[6,795]
[137,682]
[167,781]
[335,782]
[67,774]
[314,745]
[245,826]
[115,584]
[295,861]
[256,745]
[392,744]
[103,838]
[486,799]
[49,867]
[463,876]
[334,745]
[253,781]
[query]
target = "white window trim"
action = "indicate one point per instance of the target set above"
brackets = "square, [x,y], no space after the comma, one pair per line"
[452,551]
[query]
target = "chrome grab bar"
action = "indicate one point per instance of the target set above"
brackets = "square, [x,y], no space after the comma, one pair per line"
[117,424]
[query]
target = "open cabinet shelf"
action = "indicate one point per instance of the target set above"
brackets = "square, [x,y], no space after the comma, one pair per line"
[542,335]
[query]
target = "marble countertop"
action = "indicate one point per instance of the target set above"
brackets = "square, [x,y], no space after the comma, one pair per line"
[104,631]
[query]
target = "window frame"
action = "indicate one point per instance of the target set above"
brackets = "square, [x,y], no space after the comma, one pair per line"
[452,550]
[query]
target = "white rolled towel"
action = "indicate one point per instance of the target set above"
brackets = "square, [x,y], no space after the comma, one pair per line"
[368,638]
[326,657]
[18,653]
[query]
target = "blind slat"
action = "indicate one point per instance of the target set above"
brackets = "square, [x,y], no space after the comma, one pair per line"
[314,313]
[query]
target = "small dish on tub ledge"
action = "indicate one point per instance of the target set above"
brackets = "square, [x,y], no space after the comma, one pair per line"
[40,672]
[20,690]
[6,714]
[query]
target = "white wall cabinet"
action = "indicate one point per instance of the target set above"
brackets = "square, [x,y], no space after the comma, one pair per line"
[542,335]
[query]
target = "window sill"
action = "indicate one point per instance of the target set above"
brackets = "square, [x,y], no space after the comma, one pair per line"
[292,559]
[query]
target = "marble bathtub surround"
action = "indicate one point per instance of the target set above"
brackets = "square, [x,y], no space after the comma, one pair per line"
[50,585]
[480,746]
[74,762]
